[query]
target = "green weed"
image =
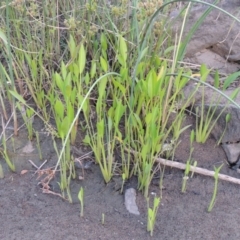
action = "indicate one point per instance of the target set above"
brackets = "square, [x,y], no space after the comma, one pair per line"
[213,200]
[81,199]
[152,214]
[96,70]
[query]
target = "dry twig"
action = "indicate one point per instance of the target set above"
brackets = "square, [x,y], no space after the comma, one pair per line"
[198,170]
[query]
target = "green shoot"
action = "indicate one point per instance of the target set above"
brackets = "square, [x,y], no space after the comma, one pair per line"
[227,120]
[152,214]
[28,117]
[123,181]
[81,199]
[213,200]
[1,172]
[103,219]
[13,144]
[185,178]
[4,151]
[38,146]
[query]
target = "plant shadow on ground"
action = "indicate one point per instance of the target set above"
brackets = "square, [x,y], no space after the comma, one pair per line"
[27,213]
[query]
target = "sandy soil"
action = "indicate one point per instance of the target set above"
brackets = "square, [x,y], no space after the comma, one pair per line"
[27,213]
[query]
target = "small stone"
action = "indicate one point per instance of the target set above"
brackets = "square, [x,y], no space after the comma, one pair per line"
[28,148]
[232,151]
[130,201]
[1,172]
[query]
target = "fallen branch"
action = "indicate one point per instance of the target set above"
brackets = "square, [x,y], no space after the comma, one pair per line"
[199,170]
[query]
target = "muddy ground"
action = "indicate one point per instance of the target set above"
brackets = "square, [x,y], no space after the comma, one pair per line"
[27,213]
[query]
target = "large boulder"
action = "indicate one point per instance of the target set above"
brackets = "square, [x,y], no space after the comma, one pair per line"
[217,41]
[226,134]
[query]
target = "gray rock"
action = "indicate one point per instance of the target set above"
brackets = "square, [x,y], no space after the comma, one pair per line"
[232,151]
[213,99]
[228,134]
[218,34]
[130,201]
[216,43]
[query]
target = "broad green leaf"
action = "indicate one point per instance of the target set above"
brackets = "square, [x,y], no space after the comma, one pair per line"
[156,202]
[150,213]
[161,73]
[81,195]
[204,71]
[216,80]
[104,64]
[142,54]
[68,79]
[144,152]
[121,60]
[110,124]
[93,69]
[111,112]
[70,112]
[140,69]
[73,96]
[81,59]
[63,70]
[59,109]
[185,80]
[192,136]
[150,84]
[119,85]
[87,139]
[75,70]
[120,110]
[228,117]
[123,49]
[100,129]
[72,47]
[17,96]
[103,42]
[86,78]
[85,107]
[168,50]
[59,82]
[102,87]
[155,83]
[137,122]
[29,112]
[178,79]
[148,118]
[230,79]
[68,92]
[64,127]
[33,69]
[104,54]
[235,93]
[124,73]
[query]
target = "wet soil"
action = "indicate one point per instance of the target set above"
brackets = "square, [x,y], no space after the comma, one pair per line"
[27,213]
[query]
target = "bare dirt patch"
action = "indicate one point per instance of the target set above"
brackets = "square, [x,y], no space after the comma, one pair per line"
[27,213]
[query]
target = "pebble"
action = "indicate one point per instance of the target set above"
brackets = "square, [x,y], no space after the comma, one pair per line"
[130,201]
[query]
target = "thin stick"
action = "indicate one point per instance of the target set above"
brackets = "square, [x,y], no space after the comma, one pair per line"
[38,168]
[33,164]
[199,170]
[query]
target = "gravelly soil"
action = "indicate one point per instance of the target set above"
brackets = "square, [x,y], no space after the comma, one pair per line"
[27,213]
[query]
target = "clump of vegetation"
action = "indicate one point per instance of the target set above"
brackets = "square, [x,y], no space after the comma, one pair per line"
[101,61]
